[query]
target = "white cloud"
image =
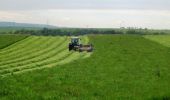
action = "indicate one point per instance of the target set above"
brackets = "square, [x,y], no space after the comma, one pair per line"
[92,13]
[84,4]
[92,18]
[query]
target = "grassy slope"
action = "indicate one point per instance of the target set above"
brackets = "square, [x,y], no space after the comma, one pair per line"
[121,67]
[162,39]
[37,52]
[6,40]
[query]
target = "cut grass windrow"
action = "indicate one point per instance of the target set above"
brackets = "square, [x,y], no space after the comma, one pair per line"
[64,60]
[19,45]
[35,44]
[41,56]
[46,56]
[15,45]
[61,56]
[11,54]
[36,52]
[7,40]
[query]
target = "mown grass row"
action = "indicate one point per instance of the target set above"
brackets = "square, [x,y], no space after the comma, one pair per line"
[37,57]
[18,45]
[36,51]
[14,53]
[7,40]
[66,58]
[40,63]
[48,55]
[35,43]
[35,65]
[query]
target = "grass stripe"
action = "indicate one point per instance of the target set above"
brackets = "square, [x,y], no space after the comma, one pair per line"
[35,49]
[38,59]
[41,54]
[19,48]
[54,59]
[50,59]
[16,45]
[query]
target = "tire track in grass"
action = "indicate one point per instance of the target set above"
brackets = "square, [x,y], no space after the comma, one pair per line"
[33,54]
[46,55]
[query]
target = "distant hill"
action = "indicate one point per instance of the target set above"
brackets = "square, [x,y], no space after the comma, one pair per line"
[24,25]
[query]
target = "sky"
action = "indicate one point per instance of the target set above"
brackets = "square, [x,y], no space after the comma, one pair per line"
[154,14]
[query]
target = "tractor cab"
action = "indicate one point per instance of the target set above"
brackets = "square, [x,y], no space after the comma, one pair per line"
[75,41]
[74,44]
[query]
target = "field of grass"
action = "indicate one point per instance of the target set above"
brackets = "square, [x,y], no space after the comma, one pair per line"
[122,67]
[6,40]
[36,52]
[162,39]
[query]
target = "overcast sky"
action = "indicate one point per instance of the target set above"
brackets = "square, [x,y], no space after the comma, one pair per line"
[89,13]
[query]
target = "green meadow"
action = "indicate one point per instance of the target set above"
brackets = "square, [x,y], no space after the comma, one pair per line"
[121,67]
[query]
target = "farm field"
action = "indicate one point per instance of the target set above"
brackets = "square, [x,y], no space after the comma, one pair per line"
[121,67]
[36,52]
[162,39]
[6,40]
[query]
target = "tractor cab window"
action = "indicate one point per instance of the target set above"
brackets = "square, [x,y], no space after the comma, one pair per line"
[76,41]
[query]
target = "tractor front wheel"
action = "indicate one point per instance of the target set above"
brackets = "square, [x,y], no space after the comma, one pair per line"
[70,47]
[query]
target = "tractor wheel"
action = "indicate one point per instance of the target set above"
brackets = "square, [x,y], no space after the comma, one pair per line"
[70,47]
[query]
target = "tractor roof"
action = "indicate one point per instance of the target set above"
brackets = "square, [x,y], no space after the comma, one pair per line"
[75,37]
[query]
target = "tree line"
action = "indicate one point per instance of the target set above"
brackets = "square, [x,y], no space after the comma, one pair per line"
[61,32]
[79,31]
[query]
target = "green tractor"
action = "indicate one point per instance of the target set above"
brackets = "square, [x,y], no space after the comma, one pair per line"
[76,45]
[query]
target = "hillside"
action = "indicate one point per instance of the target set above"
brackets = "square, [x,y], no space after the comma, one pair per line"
[7,40]
[121,67]
[36,52]
[24,25]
